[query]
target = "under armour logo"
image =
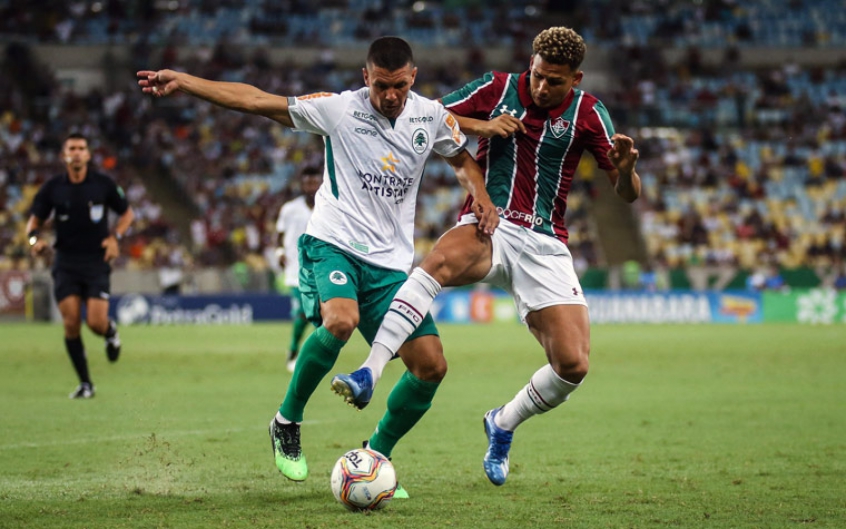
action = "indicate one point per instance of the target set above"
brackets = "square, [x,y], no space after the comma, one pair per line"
[504,110]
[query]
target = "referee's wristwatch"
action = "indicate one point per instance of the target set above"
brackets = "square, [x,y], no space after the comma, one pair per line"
[33,237]
[117,236]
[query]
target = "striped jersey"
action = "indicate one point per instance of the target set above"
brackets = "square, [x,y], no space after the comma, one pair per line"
[374,165]
[528,176]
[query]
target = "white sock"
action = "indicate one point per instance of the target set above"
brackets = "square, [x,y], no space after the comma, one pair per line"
[282,420]
[408,308]
[378,359]
[545,391]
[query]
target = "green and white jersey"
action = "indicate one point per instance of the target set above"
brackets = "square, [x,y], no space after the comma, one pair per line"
[373,170]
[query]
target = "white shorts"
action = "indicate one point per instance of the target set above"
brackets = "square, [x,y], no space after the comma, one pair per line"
[536,269]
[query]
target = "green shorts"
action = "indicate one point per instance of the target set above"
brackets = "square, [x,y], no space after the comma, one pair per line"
[296,304]
[327,272]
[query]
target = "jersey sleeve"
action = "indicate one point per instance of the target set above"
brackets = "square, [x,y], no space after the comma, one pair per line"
[42,206]
[478,98]
[117,198]
[600,130]
[318,113]
[449,140]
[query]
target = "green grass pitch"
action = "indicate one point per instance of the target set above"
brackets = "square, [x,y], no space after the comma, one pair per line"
[676,426]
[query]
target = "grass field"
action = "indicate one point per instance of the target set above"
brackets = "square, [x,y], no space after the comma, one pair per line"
[676,426]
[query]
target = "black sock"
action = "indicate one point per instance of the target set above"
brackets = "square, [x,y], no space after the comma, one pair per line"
[77,355]
[112,330]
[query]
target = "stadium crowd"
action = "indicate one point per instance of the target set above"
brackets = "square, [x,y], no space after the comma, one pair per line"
[742,168]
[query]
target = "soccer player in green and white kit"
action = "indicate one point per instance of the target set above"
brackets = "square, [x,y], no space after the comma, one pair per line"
[358,245]
[292,222]
[533,128]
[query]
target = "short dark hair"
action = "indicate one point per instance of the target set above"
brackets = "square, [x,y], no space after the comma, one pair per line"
[311,170]
[75,136]
[391,53]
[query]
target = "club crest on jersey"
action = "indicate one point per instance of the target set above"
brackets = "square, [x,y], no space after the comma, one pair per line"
[95,211]
[559,126]
[419,141]
[338,277]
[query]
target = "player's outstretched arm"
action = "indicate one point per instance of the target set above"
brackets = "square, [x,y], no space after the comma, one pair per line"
[471,178]
[235,96]
[503,126]
[624,157]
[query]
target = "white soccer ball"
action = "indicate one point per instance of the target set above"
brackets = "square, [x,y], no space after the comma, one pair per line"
[363,480]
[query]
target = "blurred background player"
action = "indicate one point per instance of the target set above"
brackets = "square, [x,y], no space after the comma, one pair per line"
[80,200]
[292,222]
[359,241]
[534,127]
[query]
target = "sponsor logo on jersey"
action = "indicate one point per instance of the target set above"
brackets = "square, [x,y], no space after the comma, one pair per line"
[389,186]
[559,126]
[364,115]
[389,163]
[422,119]
[359,246]
[364,131]
[504,110]
[453,124]
[338,277]
[95,211]
[419,141]
[519,215]
[315,96]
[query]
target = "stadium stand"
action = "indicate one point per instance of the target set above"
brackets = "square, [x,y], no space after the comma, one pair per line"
[743,166]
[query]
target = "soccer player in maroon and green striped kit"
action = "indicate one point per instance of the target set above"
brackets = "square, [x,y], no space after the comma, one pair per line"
[533,128]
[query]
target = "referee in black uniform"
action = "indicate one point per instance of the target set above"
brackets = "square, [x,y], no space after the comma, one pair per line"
[79,200]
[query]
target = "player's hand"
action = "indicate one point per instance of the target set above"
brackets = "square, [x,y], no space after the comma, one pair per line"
[38,248]
[160,84]
[503,126]
[280,257]
[111,246]
[485,211]
[623,154]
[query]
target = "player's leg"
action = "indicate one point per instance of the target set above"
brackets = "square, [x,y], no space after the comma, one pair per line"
[460,257]
[70,307]
[412,395]
[97,318]
[298,324]
[328,285]
[550,301]
[96,291]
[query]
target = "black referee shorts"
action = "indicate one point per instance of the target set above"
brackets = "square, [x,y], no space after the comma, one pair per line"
[85,281]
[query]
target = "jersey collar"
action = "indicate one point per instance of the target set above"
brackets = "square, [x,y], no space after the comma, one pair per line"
[525,94]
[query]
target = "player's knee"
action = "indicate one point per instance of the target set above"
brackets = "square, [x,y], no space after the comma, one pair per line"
[98,325]
[573,364]
[434,369]
[435,264]
[340,325]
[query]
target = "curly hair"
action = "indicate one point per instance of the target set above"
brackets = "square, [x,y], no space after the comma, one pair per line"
[560,45]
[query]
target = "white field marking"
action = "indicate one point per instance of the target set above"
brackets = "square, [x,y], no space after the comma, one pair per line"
[161,435]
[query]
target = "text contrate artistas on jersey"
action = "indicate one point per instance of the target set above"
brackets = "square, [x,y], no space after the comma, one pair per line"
[386,185]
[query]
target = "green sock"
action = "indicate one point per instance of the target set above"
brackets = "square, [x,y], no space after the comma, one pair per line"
[408,401]
[316,358]
[300,325]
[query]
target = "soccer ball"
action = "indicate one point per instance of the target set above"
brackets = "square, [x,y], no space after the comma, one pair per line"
[363,480]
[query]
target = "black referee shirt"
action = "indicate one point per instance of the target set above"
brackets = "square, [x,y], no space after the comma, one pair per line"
[81,212]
